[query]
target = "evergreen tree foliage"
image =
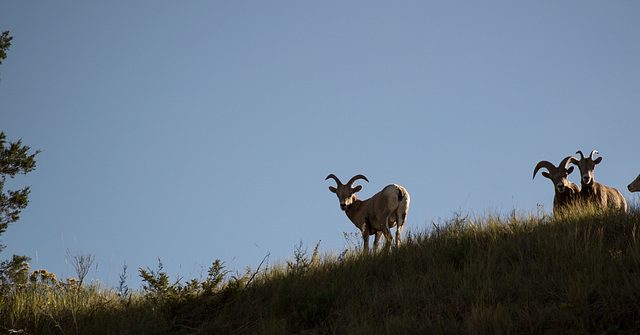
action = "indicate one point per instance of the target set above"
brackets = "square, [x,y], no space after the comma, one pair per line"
[14,159]
[5,43]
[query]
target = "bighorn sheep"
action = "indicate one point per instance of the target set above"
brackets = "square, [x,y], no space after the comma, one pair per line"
[635,185]
[566,192]
[603,196]
[376,215]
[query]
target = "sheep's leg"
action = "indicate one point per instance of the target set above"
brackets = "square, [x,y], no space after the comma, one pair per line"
[365,236]
[376,240]
[387,232]
[401,216]
[399,231]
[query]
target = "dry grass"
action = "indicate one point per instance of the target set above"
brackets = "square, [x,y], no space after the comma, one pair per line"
[491,275]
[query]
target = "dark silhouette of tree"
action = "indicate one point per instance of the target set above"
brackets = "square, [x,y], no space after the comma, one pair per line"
[14,159]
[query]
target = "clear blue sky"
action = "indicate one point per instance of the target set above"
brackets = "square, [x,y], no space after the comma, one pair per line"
[202,130]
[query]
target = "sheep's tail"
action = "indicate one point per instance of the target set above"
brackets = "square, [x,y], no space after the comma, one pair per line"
[403,197]
[401,212]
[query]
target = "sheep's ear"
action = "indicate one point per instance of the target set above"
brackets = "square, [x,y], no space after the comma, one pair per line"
[357,188]
[333,189]
[569,170]
[598,160]
[547,175]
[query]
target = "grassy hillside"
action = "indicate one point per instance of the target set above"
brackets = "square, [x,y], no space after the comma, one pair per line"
[489,275]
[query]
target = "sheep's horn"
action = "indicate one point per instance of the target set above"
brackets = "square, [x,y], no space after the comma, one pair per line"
[581,155]
[352,180]
[543,164]
[334,177]
[593,152]
[573,160]
[565,162]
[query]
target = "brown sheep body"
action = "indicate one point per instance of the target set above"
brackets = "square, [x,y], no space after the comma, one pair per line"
[376,215]
[566,192]
[592,191]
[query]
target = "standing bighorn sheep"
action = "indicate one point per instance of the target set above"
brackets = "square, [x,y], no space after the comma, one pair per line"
[376,215]
[601,195]
[635,185]
[566,192]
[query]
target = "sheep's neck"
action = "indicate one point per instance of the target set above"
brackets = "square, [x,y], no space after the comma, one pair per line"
[589,188]
[353,212]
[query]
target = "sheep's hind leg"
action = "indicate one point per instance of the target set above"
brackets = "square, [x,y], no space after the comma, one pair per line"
[401,216]
[387,233]
[399,231]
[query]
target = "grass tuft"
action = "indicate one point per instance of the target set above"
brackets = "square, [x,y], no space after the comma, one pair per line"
[498,274]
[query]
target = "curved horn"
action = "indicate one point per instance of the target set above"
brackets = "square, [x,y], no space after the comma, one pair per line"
[574,160]
[581,155]
[334,177]
[593,152]
[543,164]
[352,180]
[565,162]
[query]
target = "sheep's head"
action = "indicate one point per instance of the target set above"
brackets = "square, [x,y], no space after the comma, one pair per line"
[586,166]
[558,175]
[635,185]
[345,193]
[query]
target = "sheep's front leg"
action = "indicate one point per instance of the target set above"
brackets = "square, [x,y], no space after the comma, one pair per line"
[365,236]
[376,240]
